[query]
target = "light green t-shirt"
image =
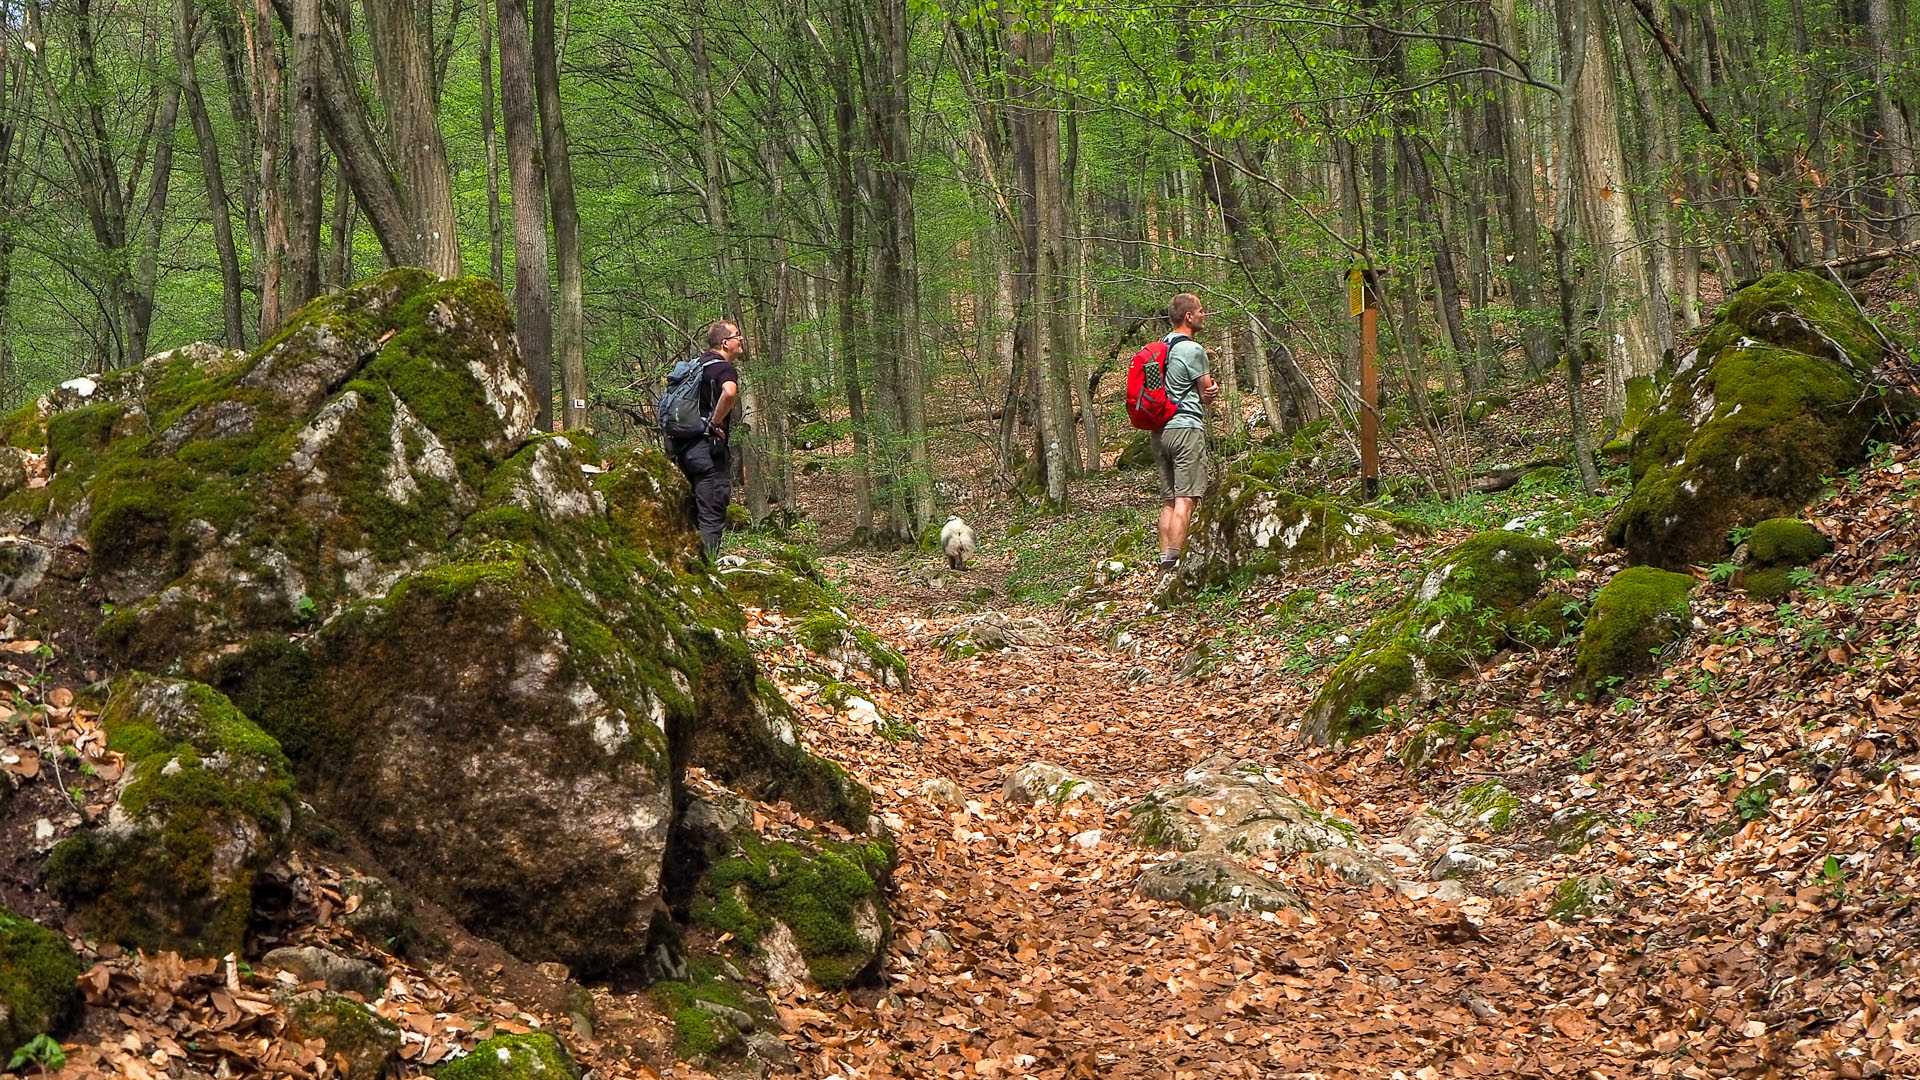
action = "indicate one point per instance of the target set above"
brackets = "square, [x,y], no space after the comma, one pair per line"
[1186,363]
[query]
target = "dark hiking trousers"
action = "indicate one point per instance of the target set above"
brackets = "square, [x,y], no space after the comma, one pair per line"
[704,461]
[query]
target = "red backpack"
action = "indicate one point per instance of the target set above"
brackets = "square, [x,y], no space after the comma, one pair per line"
[1148,405]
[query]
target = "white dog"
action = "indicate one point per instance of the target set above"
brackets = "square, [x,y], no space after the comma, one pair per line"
[956,539]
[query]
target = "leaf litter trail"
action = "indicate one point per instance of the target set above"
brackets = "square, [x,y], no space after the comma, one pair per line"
[1023,951]
[1757,800]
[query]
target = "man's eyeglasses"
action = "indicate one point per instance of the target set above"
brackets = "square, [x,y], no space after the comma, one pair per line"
[733,337]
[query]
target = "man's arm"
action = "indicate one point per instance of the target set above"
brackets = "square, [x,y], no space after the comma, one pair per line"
[723,407]
[1204,377]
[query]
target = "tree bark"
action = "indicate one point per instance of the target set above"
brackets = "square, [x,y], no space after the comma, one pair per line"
[302,282]
[405,78]
[212,173]
[263,48]
[489,132]
[570,327]
[532,294]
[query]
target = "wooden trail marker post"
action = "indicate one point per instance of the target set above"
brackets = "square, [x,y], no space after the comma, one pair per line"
[1360,302]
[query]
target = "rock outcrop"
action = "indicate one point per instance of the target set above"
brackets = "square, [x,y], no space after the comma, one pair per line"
[1775,549]
[1782,392]
[487,667]
[1486,593]
[1250,527]
[205,803]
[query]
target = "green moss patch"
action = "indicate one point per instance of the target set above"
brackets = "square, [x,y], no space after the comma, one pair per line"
[533,1056]
[1479,597]
[1637,614]
[1786,542]
[829,893]
[364,1039]
[206,802]
[38,970]
[1781,393]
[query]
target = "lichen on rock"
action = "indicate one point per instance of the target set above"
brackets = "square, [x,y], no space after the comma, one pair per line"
[1482,595]
[206,802]
[1635,615]
[1780,393]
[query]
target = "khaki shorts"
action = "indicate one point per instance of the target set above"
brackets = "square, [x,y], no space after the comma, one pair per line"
[1181,454]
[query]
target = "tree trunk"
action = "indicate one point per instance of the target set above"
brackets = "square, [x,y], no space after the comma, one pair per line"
[570,327]
[1892,137]
[232,307]
[405,77]
[1507,114]
[146,272]
[302,282]
[532,294]
[1600,177]
[267,109]
[489,133]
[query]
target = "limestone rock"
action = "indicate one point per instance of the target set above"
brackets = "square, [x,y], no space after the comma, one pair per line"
[1638,613]
[1044,782]
[1776,548]
[485,665]
[992,632]
[1214,884]
[1227,805]
[378,912]
[943,792]
[1479,597]
[1585,896]
[1468,860]
[310,963]
[1357,865]
[1774,399]
[365,1040]
[807,909]
[1250,528]
[205,803]
[38,973]
[788,584]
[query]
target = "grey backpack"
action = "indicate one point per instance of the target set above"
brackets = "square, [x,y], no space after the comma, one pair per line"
[680,415]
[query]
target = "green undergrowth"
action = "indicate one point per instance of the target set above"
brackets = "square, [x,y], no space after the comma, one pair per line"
[699,1032]
[1549,499]
[1051,552]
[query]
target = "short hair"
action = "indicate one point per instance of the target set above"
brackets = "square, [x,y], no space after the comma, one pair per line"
[1182,306]
[718,332]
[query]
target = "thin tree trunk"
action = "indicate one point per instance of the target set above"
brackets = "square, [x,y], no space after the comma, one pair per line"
[489,132]
[570,327]
[232,307]
[264,49]
[342,229]
[302,281]
[404,74]
[532,294]
[146,272]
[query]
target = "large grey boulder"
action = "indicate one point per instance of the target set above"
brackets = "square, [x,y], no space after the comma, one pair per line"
[486,666]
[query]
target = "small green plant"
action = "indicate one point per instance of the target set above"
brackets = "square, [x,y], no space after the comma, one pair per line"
[1639,818]
[1722,572]
[40,1050]
[1835,876]
[303,608]
[1754,803]
[1584,762]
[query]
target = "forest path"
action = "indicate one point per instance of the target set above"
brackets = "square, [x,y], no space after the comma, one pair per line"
[1022,950]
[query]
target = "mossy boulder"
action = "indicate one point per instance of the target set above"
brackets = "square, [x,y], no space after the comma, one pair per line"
[1138,453]
[805,907]
[533,1056]
[366,1041]
[1782,392]
[486,665]
[1214,884]
[205,803]
[1249,527]
[1482,595]
[1223,804]
[788,584]
[38,992]
[1639,612]
[1775,549]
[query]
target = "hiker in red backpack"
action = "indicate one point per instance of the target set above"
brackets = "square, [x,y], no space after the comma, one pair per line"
[1180,445]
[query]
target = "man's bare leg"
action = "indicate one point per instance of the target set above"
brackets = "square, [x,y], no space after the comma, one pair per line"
[1175,517]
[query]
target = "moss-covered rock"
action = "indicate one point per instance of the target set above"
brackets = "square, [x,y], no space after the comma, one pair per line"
[824,898]
[1585,896]
[1775,549]
[789,584]
[1479,597]
[486,665]
[38,973]
[1780,393]
[1214,884]
[1638,613]
[533,1056]
[1249,527]
[1226,805]
[355,1034]
[1138,453]
[205,803]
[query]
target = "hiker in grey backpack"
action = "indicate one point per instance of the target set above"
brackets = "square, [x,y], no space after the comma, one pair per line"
[1180,447]
[698,444]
